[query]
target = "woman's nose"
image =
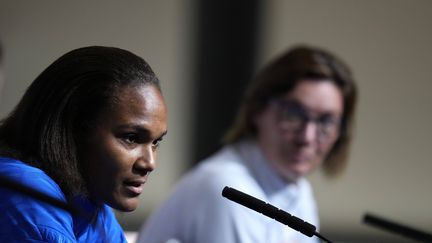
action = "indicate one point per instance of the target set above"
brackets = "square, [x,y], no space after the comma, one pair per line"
[146,161]
[308,132]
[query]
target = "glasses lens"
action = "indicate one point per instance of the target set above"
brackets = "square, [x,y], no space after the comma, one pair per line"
[328,126]
[291,120]
[293,117]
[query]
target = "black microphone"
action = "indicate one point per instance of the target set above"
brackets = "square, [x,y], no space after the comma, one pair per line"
[397,228]
[272,212]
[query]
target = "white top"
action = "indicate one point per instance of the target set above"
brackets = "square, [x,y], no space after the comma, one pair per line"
[196,211]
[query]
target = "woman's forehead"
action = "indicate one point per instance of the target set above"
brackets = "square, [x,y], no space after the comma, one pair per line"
[319,96]
[137,104]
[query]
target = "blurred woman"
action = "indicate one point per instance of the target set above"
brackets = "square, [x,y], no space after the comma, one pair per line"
[296,117]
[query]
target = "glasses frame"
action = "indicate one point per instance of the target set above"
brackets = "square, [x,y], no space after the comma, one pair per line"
[293,117]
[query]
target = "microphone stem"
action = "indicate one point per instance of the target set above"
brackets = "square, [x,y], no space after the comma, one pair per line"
[322,237]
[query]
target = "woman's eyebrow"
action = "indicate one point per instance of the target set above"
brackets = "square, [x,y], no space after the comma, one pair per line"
[139,128]
[134,126]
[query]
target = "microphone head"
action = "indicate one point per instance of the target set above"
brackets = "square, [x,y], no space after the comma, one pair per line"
[269,211]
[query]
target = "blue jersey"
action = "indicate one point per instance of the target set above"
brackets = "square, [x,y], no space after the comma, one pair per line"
[25,219]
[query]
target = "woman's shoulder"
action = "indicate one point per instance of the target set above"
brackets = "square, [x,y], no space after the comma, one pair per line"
[208,178]
[29,176]
[25,217]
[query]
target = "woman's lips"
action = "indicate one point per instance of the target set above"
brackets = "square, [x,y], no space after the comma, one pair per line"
[135,187]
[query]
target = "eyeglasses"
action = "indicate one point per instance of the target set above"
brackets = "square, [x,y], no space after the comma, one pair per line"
[293,117]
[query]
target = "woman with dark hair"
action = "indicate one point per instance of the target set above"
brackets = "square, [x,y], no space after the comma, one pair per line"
[296,116]
[86,133]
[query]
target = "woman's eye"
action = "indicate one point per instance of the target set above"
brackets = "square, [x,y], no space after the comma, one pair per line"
[156,142]
[293,116]
[130,138]
[328,122]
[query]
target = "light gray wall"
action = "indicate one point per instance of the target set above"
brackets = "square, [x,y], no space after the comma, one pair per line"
[386,42]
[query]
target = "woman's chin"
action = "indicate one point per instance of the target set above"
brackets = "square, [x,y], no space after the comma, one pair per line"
[125,205]
[294,172]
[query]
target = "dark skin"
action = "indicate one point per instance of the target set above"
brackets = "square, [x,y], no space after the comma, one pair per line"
[121,151]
